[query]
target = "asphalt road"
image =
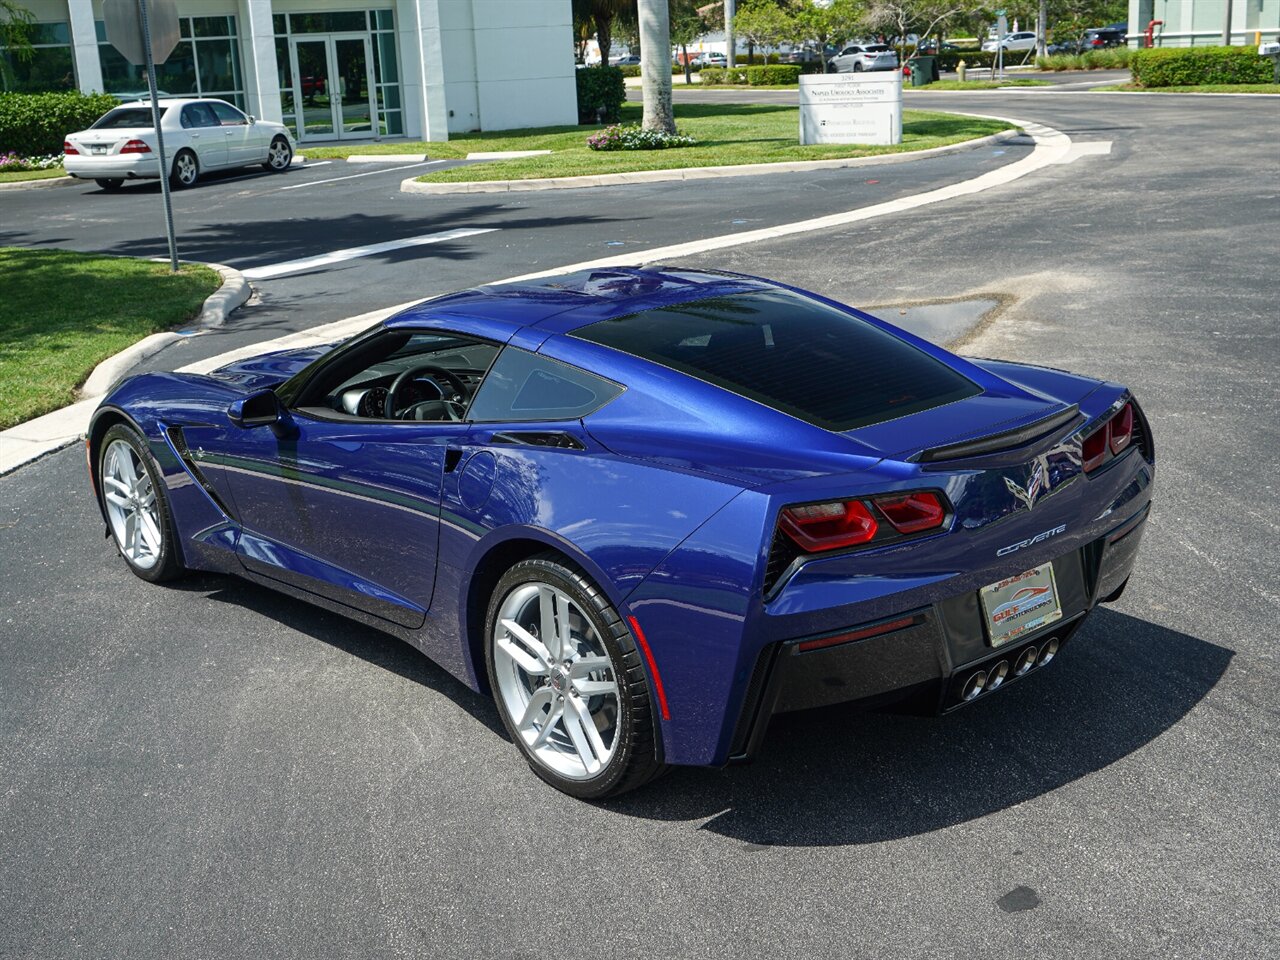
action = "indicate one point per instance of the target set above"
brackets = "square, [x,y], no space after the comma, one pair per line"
[210,770]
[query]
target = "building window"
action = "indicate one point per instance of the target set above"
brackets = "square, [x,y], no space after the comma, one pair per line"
[379,24]
[50,66]
[205,63]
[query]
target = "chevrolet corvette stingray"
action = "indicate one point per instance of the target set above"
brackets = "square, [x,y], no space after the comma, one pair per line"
[648,509]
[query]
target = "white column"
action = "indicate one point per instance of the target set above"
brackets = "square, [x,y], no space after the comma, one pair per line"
[84,45]
[422,69]
[258,60]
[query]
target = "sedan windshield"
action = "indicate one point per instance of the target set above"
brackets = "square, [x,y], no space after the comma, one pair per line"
[122,118]
[801,357]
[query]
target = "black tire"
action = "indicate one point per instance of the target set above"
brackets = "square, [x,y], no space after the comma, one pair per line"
[273,166]
[186,170]
[168,564]
[109,184]
[857,66]
[634,761]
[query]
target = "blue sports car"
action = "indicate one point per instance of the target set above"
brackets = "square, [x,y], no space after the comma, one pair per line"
[648,509]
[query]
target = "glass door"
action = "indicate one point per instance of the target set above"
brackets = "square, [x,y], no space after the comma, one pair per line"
[334,87]
[312,89]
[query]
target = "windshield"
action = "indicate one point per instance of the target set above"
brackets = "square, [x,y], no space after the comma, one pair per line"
[122,118]
[790,353]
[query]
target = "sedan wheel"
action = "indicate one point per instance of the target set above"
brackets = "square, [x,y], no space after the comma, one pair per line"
[568,681]
[135,505]
[279,156]
[186,169]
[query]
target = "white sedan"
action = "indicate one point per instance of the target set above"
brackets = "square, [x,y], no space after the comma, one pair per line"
[199,135]
[1022,40]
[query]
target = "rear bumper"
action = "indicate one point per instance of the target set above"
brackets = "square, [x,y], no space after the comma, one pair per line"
[929,653]
[113,167]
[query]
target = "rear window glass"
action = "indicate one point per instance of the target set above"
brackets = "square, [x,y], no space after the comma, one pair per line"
[123,117]
[877,48]
[791,353]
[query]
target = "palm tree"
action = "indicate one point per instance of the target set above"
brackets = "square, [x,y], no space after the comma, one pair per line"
[655,65]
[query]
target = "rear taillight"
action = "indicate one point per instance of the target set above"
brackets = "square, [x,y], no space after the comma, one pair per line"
[817,527]
[913,512]
[1115,435]
[135,146]
[69,149]
[828,526]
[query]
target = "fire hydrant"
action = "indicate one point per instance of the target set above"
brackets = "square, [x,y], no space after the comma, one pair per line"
[960,70]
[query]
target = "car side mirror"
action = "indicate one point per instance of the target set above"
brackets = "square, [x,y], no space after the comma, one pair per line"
[252,119]
[261,409]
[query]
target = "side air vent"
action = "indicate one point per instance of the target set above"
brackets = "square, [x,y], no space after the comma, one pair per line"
[532,438]
[180,445]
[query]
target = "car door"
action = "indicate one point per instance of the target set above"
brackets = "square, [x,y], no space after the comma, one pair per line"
[342,500]
[237,133]
[204,135]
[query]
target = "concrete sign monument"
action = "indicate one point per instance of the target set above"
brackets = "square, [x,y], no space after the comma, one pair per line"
[851,108]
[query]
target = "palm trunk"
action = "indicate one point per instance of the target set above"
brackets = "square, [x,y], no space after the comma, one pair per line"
[655,65]
[604,39]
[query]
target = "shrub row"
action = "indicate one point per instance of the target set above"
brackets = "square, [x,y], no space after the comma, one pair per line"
[601,93]
[771,76]
[631,70]
[1188,66]
[1112,58]
[35,124]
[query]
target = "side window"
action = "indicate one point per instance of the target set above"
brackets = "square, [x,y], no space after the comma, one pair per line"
[189,117]
[523,386]
[227,115]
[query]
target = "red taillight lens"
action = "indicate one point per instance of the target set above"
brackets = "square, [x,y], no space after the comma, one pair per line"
[828,526]
[913,512]
[135,146]
[1094,449]
[1121,429]
[69,150]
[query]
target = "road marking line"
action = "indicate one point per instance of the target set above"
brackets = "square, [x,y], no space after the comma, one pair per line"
[271,271]
[316,183]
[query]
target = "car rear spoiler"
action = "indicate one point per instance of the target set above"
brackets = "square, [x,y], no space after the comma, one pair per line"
[996,442]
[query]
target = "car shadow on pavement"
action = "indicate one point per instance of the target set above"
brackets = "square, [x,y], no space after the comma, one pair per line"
[835,776]
[371,645]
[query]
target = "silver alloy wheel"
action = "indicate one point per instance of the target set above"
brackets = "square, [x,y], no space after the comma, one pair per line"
[556,681]
[279,156]
[131,505]
[185,166]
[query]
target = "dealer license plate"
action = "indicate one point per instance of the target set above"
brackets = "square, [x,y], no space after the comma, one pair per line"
[97,150]
[1020,604]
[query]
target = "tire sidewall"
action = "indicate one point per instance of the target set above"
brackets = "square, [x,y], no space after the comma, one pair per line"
[271,166]
[167,565]
[617,642]
[177,180]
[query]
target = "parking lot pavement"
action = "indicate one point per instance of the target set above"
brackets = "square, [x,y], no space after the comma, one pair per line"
[211,770]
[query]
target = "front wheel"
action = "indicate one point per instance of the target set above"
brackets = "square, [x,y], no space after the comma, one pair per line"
[568,680]
[136,505]
[186,170]
[279,156]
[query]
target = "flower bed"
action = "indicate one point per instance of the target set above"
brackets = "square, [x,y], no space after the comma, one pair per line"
[635,137]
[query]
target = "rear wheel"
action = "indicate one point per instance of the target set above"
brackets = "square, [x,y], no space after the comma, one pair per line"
[857,66]
[109,183]
[279,155]
[567,677]
[186,170]
[136,505]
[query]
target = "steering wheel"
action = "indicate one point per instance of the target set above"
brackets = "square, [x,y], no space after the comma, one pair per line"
[433,375]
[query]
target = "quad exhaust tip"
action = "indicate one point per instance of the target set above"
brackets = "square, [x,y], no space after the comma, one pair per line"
[994,676]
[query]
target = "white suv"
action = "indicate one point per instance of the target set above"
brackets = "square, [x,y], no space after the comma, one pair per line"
[1022,40]
[864,56]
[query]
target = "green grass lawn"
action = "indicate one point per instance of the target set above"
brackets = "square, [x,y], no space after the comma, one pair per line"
[16,175]
[63,313]
[1201,88]
[726,133]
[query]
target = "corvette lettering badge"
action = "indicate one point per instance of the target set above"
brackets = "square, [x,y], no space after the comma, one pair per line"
[1045,535]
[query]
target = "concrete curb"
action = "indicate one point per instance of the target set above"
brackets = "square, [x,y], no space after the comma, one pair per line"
[31,440]
[412,185]
[41,184]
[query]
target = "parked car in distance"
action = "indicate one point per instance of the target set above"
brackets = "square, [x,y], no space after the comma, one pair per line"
[646,510]
[808,55]
[199,135]
[1022,40]
[631,60]
[1099,38]
[856,58]
[710,58]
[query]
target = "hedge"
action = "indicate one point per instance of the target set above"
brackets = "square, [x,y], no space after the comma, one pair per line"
[631,70]
[771,76]
[601,93]
[1112,58]
[1190,66]
[35,124]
